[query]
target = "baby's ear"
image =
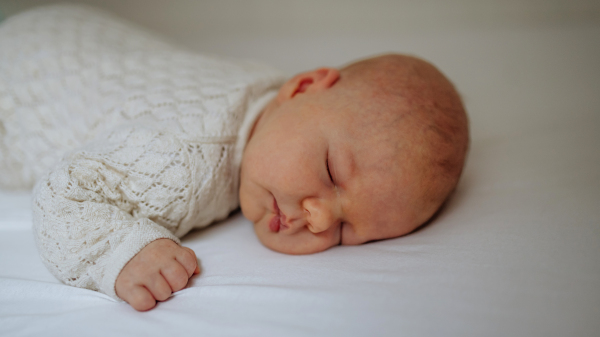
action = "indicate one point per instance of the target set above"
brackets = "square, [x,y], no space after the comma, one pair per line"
[308,82]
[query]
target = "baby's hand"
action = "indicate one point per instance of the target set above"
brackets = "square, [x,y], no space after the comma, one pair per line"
[158,270]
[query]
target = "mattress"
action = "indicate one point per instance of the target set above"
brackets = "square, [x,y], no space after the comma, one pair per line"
[514,252]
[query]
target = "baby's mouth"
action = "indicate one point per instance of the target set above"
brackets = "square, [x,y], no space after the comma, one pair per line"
[278,220]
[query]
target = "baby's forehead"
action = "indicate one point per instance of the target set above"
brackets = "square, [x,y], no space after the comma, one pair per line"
[379,128]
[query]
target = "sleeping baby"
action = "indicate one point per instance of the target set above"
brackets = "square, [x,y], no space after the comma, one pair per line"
[132,142]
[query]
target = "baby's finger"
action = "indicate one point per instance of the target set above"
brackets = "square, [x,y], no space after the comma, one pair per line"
[158,287]
[139,298]
[176,276]
[187,258]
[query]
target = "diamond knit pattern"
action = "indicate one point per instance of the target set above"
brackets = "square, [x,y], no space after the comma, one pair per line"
[127,138]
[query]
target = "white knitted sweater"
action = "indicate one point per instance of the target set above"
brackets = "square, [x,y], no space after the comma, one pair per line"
[150,136]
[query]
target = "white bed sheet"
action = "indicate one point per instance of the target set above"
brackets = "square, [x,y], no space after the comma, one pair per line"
[516,252]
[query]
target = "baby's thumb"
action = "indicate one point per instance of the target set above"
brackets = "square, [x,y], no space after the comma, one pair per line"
[197,270]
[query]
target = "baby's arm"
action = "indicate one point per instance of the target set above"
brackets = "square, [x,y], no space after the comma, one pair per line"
[103,204]
[161,268]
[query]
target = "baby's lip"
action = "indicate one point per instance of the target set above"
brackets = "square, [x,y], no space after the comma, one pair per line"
[275,222]
[278,220]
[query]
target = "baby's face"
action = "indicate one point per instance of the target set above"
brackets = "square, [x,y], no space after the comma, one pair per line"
[314,176]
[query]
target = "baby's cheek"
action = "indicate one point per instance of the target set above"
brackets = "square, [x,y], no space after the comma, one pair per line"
[248,204]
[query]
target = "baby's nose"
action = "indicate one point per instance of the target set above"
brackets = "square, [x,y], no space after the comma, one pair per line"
[321,214]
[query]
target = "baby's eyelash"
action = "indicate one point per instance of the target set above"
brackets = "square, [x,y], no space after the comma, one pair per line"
[328,171]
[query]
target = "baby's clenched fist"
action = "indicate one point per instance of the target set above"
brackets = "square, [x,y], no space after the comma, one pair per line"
[158,270]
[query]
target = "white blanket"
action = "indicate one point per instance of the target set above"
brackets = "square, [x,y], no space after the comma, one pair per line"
[516,252]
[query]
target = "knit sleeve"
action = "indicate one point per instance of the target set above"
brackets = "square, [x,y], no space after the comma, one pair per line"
[106,201]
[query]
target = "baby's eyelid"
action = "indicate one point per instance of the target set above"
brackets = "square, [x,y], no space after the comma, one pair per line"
[328,170]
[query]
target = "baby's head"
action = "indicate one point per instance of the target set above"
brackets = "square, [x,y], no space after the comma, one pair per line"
[365,153]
